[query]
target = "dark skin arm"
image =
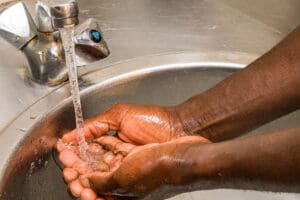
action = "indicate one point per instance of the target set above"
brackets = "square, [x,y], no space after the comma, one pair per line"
[248,163]
[265,90]
[269,162]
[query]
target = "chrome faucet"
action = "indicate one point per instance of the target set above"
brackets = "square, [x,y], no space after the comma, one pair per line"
[41,42]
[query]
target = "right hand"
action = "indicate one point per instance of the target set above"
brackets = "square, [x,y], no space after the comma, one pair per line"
[135,170]
[135,124]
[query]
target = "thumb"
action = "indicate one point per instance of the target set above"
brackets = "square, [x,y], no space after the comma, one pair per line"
[96,127]
[102,182]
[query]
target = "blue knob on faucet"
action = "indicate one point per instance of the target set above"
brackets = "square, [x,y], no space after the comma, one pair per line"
[95,36]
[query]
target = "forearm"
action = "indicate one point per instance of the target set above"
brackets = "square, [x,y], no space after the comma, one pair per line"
[269,162]
[263,91]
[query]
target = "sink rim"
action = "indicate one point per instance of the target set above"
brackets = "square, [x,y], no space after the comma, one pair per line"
[12,135]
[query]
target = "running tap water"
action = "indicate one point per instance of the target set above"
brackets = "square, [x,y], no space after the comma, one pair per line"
[67,35]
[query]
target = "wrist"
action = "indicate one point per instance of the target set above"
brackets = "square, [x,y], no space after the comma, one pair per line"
[210,162]
[186,114]
[178,122]
[195,119]
[192,162]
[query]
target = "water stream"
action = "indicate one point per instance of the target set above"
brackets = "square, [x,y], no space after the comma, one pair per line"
[67,35]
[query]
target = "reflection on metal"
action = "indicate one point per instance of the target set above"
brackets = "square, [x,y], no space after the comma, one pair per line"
[43,18]
[137,29]
[16,24]
[64,14]
[28,170]
[89,48]
[42,45]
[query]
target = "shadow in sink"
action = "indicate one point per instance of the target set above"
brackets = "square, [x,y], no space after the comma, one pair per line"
[32,173]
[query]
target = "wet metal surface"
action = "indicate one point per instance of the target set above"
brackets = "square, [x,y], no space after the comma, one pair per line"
[135,28]
[221,31]
[28,170]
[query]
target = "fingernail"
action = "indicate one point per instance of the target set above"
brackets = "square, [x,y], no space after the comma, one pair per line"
[84,182]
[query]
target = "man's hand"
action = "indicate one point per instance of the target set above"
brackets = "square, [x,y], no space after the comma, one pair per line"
[130,170]
[148,167]
[136,124]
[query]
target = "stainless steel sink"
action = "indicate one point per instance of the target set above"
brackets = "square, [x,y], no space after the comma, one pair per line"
[28,170]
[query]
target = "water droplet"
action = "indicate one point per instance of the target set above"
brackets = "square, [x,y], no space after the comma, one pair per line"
[46,163]
[31,168]
[112,133]
[23,129]
[33,116]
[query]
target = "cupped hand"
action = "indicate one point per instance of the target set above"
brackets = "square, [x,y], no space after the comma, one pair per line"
[96,159]
[136,124]
[131,170]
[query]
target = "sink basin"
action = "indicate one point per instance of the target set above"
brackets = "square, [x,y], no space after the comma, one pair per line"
[29,170]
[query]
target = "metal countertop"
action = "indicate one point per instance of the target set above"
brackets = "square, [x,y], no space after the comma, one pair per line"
[136,28]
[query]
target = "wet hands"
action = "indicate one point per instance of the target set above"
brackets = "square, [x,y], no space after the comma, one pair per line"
[141,159]
[135,124]
[98,158]
[123,168]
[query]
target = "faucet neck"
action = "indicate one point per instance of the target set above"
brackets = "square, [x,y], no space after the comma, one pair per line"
[51,15]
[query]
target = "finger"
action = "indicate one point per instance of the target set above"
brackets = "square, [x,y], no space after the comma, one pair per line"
[108,157]
[75,188]
[93,163]
[103,182]
[115,145]
[191,139]
[70,174]
[140,148]
[116,163]
[97,126]
[69,158]
[102,167]
[124,138]
[61,146]
[95,149]
[88,194]
[83,168]
[92,129]
[96,154]
[84,182]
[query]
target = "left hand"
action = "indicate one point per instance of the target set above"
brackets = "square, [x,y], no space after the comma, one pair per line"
[135,124]
[135,170]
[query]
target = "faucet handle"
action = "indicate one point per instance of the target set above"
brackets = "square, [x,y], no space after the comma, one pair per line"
[16,24]
[90,45]
[43,18]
